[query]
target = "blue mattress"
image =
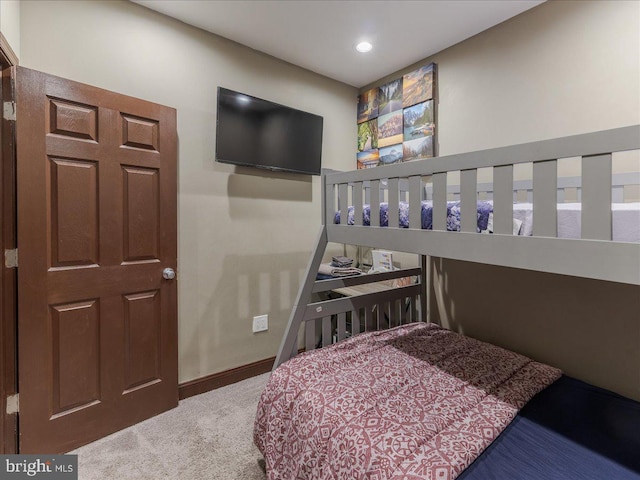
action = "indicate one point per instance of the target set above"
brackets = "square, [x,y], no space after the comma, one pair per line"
[570,430]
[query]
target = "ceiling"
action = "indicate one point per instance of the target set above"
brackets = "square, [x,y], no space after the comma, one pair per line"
[320,35]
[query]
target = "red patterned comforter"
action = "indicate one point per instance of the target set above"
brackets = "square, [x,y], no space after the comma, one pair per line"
[413,402]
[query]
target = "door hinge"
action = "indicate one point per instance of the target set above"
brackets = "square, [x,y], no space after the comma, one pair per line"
[11,258]
[13,404]
[9,111]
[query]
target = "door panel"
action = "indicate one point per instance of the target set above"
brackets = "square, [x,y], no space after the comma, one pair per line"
[97,201]
[140,132]
[141,213]
[73,119]
[74,212]
[75,329]
[142,339]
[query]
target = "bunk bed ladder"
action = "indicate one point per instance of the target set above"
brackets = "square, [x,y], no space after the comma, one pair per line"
[289,345]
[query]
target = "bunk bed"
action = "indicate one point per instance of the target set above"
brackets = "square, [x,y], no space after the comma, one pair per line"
[391,395]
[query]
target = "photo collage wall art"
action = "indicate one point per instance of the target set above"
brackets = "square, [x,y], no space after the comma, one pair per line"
[396,121]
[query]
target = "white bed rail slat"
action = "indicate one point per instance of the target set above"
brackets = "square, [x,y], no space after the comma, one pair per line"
[357,203]
[355,321]
[326,331]
[343,202]
[374,211]
[341,326]
[310,335]
[545,210]
[414,309]
[394,319]
[596,197]
[380,311]
[393,203]
[503,199]
[468,200]
[439,201]
[617,194]
[328,205]
[415,201]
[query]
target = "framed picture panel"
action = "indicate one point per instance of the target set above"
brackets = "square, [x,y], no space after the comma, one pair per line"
[397,121]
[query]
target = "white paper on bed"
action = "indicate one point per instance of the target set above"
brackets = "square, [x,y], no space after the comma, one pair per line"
[517,225]
[382,260]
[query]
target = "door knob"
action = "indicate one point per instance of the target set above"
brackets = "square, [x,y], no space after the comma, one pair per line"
[168,274]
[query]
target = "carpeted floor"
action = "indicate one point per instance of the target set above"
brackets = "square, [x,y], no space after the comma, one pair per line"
[209,436]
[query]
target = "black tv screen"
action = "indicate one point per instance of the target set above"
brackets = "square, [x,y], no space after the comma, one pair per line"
[258,133]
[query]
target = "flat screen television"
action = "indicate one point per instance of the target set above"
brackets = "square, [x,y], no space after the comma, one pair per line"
[254,132]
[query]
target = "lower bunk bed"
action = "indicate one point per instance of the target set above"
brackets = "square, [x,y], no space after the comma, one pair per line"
[421,402]
[391,395]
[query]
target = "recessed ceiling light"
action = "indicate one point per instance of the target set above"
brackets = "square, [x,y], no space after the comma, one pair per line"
[364,47]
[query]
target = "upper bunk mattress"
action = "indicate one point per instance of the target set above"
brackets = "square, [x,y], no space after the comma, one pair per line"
[625,218]
[413,402]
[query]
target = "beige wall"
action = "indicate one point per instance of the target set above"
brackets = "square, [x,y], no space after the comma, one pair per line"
[245,235]
[562,68]
[10,23]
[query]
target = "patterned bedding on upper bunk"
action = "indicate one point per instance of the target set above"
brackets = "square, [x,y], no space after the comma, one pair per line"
[413,402]
[625,218]
[453,215]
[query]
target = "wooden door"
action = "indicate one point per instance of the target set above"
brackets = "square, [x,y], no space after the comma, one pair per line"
[97,323]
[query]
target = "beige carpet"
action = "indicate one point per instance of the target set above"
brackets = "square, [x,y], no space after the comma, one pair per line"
[209,436]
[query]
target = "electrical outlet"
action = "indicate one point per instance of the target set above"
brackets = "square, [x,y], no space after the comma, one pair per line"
[260,323]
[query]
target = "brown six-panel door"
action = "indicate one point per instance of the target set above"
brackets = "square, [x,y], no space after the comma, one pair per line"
[96,194]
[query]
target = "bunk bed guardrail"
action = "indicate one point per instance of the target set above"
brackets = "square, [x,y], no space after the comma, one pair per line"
[595,255]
